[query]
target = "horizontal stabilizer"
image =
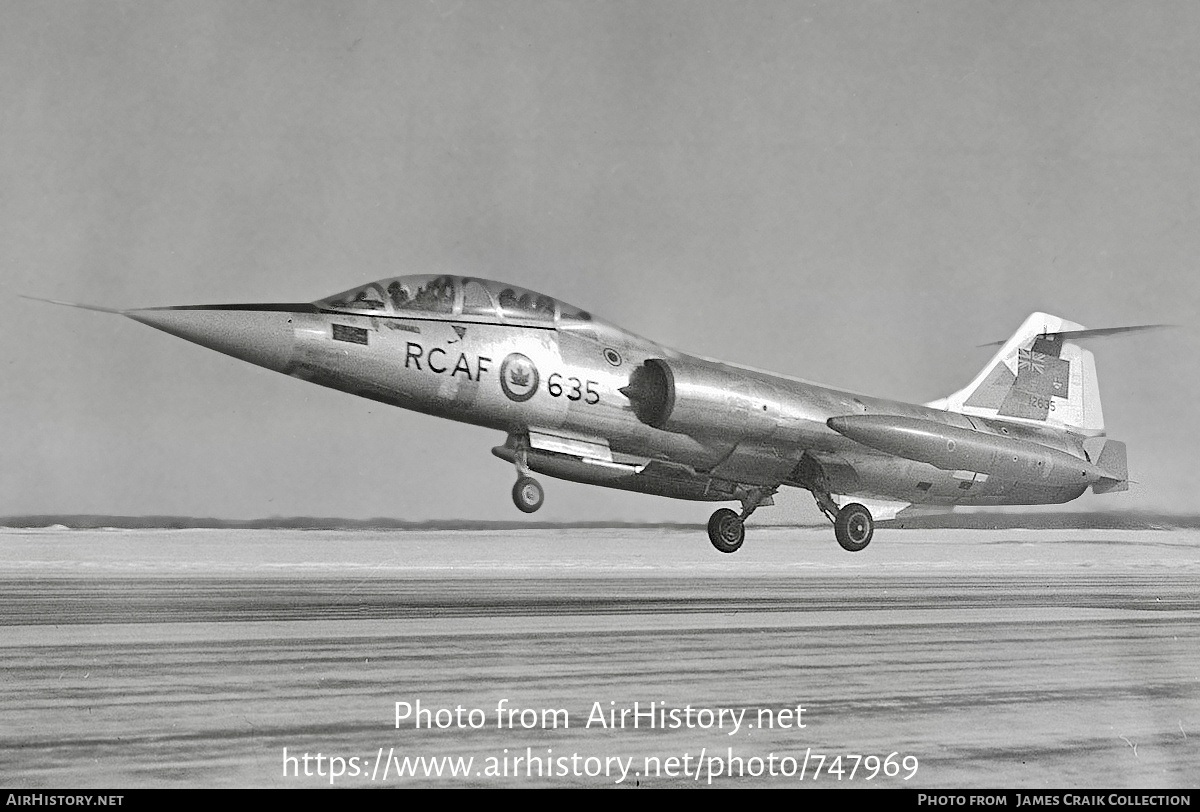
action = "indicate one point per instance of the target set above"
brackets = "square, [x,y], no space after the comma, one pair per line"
[1102,332]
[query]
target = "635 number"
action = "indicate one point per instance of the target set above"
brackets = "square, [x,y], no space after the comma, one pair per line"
[573,388]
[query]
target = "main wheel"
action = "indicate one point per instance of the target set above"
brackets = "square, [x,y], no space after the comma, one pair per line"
[726,531]
[527,494]
[854,527]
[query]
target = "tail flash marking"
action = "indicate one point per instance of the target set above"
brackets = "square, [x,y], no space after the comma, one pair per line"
[1039,375]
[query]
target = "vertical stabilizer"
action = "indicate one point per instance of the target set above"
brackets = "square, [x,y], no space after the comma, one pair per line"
[1039,376]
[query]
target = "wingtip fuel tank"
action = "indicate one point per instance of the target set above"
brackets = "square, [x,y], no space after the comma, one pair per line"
[951,448]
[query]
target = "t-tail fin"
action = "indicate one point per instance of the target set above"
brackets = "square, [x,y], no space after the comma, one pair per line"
[1039,376]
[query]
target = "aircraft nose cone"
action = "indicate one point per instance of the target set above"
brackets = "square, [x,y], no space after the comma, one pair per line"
[262,337]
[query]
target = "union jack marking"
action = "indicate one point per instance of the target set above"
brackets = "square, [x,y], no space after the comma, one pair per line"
[1033,361]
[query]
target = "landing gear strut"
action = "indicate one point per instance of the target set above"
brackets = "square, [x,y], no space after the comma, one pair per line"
[527,493]
[727,528]
[853,524]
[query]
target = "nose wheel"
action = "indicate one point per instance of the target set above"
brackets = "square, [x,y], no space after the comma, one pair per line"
[527,494]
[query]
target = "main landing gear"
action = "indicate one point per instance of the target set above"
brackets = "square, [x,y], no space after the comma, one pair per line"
[853,527]
[853,524]
[727,528]
[726,531]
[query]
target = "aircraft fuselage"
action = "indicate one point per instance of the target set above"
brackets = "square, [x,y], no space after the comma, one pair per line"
[583,400]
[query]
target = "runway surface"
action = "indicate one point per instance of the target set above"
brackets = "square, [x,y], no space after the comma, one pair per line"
[955,659]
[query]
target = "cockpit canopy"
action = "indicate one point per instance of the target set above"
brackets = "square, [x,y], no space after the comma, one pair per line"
[455,297]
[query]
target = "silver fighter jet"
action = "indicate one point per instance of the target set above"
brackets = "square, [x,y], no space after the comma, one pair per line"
[583,400]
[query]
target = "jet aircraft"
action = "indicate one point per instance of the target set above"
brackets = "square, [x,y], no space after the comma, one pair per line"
[583,400]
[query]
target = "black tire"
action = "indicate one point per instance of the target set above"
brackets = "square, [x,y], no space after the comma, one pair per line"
[854,527]
[726,531]
[527,494]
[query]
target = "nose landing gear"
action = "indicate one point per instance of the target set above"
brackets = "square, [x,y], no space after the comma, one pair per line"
[527,494]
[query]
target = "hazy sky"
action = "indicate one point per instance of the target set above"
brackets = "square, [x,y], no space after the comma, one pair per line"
[852,193]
